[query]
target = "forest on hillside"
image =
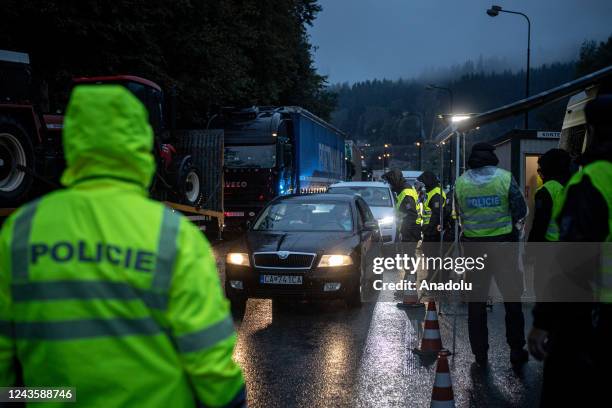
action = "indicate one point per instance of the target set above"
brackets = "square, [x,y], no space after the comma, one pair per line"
[384,111]
[214,53]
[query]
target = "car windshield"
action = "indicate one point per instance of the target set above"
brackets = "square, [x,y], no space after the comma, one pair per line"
[305,216]
[374,196]
[250,156]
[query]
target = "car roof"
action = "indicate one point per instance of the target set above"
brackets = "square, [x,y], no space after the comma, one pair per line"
[317,197]
[360,184]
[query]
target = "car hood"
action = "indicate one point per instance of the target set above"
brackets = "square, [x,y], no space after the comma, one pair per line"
[315,242]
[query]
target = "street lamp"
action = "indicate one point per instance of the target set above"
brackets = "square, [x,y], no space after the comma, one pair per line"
[494,12]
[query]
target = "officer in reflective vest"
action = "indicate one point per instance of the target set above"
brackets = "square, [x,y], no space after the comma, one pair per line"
[433,205]
[489,204]
[585,216]
[406,206]
[107,291]
[554,169]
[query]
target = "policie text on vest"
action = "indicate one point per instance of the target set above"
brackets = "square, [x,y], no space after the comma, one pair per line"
[63,251]
[484,201]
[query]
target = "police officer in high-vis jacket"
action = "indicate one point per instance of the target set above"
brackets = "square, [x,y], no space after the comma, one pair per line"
[554,169]
[433,206]
[490,204]
[584,216]
[107,291]
[406,206]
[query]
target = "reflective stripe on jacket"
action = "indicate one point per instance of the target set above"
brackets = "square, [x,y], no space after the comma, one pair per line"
[555,189]
[484,207]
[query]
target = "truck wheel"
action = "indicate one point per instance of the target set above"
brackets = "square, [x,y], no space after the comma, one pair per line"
[15,150]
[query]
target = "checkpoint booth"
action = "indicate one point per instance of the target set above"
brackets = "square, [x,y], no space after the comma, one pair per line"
[518,151]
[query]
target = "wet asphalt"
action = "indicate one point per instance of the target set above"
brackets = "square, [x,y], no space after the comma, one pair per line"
[323,354]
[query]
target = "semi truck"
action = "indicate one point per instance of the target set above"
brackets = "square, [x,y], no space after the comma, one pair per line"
[31,154]
[272,151]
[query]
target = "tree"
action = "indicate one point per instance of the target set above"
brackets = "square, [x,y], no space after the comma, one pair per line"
[215,53]
[594,56]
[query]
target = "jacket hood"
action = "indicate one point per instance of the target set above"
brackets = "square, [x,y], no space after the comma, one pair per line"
[429,179]
[481,175]
[107,135]
[396,180]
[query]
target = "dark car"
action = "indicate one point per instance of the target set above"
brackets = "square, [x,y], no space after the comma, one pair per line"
[304,246]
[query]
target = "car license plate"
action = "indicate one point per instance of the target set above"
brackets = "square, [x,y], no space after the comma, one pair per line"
[280,279]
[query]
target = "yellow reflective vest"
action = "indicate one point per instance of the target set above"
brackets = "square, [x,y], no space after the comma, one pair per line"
[484,207]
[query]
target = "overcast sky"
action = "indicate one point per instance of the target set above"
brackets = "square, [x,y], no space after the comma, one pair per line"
[367,39]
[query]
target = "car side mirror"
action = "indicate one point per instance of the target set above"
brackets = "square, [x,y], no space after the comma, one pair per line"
[248,224]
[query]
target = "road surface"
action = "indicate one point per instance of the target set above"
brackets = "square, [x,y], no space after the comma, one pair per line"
[326,355]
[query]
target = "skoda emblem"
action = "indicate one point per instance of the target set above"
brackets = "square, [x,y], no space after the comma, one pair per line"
[283,254]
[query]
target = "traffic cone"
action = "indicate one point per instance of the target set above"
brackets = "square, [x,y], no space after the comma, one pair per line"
[410,298]
[431,342]
[442,394]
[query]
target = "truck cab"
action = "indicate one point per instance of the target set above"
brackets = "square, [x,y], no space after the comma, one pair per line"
[275,151]
[258,161]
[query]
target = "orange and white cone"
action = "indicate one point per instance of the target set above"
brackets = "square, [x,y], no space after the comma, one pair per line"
[410,298]
[431,342]
[442,394]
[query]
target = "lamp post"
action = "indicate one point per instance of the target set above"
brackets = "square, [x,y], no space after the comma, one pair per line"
[451,96]
[419,146]
[494,12]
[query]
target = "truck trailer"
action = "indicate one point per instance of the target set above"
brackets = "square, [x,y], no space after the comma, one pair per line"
[272,151]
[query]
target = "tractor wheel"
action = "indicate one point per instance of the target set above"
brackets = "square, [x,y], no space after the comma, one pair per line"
[15,151]
[190,183]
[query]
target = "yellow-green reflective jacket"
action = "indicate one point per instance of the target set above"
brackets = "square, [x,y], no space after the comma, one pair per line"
[409,192]
[555,189]
[484,207]
[427,208]
[600,174]
[107,291]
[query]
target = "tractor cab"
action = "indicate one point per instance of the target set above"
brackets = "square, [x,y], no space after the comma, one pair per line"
[149,93]
[177,179]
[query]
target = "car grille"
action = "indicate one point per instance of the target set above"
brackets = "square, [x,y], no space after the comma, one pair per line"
[293,260]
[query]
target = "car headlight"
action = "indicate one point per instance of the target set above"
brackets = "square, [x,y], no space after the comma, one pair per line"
[386,221]
[237,258]
[335,260]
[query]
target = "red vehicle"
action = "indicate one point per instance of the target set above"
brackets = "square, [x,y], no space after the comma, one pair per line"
[31,159]
[30,141]
[31,155]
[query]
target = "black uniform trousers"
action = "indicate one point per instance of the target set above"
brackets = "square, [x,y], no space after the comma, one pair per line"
[502,264]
